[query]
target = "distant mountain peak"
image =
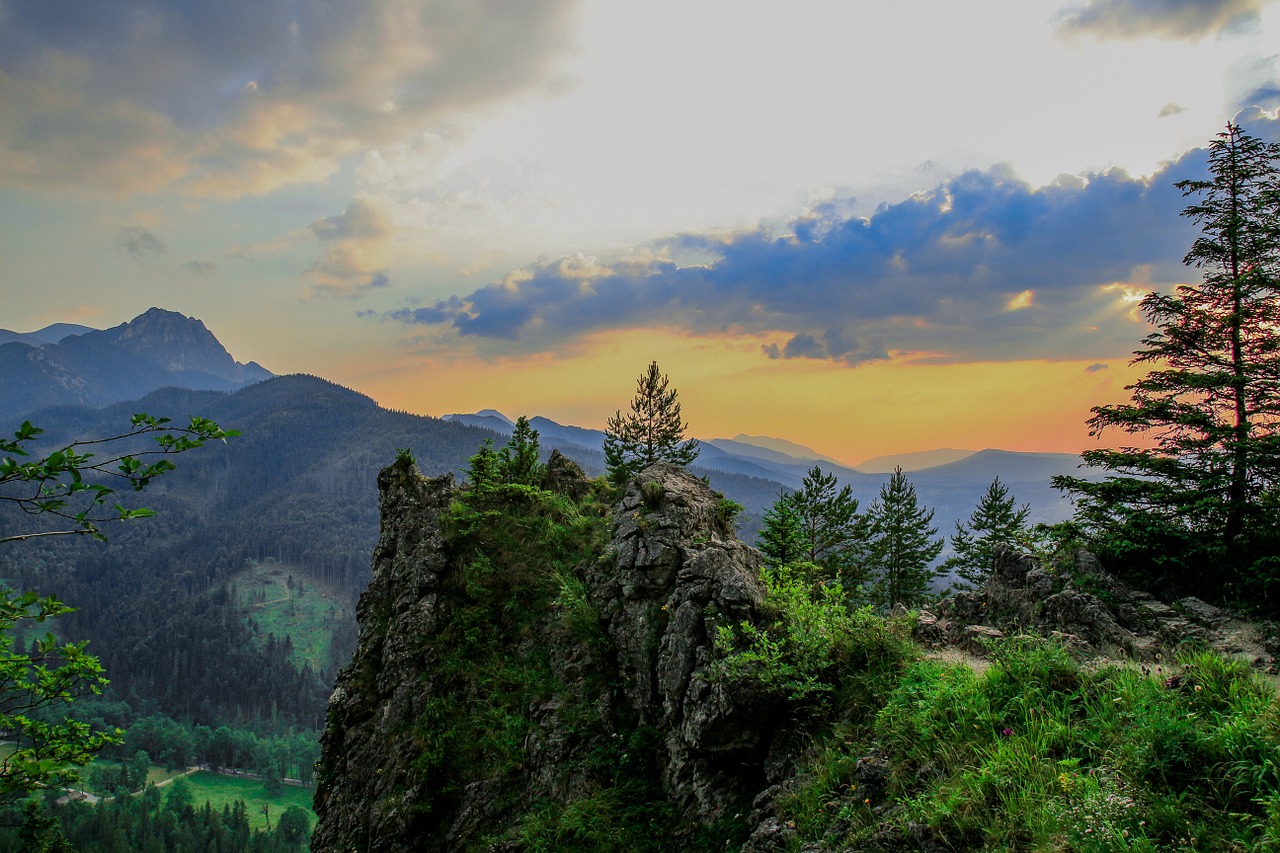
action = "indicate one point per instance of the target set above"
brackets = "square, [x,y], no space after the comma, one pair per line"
[494,413]
[781,445]
[915,461]
[96,368]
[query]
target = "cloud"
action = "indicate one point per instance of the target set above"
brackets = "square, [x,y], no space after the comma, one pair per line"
[835,345]
[244,96]
[982,267]
[1186,20]
[199,267]
[1095,367]
[139,243]
[355,255]
[1170,109]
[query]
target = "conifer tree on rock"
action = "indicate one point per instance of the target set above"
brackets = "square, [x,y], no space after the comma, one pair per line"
[650,432]
[1204,491]
[997,520]
[902,544]
[518,461]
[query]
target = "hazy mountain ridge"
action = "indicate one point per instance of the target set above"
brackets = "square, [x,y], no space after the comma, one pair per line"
[951,489]
[48,335]
[100,367]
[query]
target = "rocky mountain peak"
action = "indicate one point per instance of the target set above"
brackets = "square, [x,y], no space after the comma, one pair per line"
[178,344]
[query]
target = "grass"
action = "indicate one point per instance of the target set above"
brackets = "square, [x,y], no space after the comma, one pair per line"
[222,791]
[301,610]
[1041,753]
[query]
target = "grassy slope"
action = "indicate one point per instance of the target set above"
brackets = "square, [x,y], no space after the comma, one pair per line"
[304,613]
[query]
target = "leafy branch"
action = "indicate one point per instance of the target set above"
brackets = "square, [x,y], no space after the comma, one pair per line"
[72,483]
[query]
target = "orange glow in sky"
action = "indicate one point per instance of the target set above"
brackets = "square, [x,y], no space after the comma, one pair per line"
[726,388]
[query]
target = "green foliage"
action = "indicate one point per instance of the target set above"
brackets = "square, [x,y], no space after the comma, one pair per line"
[482,470]
[518,557]
[38,685]
[1203,491]
[518,461]
[814,647]
[727,512]
[1039,753]
[70,484]
[515,464]
[650,432]
[901,545]
[37,689]
[780,539]
[997,520]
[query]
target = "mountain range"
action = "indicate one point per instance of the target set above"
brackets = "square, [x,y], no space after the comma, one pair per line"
[298,488]
[950,486]
[67,364]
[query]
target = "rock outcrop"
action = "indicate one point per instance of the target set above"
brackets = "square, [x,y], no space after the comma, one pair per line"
[1089,610]
[673,572]
[678,574]
[366,788]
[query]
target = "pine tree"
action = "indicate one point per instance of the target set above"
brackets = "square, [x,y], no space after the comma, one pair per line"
[484,468]
[818,525]
[901,545]
[651,432]
[1211,402]
[995,521]
[518,461]
[779,540]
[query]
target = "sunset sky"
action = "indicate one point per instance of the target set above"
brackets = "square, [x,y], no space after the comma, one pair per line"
[866,227]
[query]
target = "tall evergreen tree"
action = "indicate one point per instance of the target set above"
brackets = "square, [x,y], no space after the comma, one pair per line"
[651,432]
[1210,405]
[483,469]
[997,520]
[818,525]
[902,544]
[518,461]
[779,540]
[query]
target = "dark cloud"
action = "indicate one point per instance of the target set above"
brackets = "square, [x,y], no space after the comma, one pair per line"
[1170,109]
[1189,20]
[199,267]
[983,267]
[1095,367]
[139,243]
[241,96]
[835,345]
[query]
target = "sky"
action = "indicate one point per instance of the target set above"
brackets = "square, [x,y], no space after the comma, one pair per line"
[870,228]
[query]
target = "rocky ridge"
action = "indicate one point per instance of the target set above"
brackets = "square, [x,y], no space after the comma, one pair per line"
[1090,611]
[675,573]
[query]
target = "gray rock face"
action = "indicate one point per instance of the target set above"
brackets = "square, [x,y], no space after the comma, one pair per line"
[676,573]
[366,788]
[1088,610]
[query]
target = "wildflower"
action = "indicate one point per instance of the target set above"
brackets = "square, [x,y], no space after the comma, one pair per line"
[1007,732]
